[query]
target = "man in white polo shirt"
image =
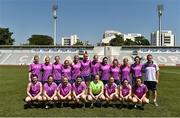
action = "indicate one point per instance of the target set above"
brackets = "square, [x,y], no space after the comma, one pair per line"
[151,77]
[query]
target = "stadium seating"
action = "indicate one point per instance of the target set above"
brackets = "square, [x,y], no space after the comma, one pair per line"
[162,56]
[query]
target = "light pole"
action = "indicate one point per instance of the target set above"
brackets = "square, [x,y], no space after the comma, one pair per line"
[160,9]
[54,8]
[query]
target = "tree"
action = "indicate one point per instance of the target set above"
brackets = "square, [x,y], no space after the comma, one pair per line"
[79,43]
[117,41]
[5,37]
[104,44]
[141,41]
[129,42]
[40,40]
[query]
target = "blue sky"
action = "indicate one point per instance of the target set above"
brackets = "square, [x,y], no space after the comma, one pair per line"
[88,18]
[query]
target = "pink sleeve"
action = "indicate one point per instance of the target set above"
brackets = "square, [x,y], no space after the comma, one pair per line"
[55,85]
[106,86]
[145,88]
[59,87]
[44,86]
[115,85]
[30,67]
[84,86]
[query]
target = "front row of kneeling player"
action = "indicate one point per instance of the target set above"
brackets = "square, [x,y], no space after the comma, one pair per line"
[80,93]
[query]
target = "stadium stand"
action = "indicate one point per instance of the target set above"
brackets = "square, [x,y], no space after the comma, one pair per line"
[23,55]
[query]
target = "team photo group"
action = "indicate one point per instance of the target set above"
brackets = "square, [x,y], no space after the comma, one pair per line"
[92,82]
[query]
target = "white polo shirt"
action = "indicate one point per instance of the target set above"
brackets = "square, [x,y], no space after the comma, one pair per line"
[150,70]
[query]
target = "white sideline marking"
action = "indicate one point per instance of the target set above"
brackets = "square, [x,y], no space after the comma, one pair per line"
[6,58]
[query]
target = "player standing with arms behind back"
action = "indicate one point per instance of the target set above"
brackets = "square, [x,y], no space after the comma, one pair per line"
[151,77]
[57,70]
[35,69]
[86,69]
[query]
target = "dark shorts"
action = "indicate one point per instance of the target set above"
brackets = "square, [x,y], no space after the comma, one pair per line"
[104,81]
[92,77]
[72,81]
[86,78]
[151,85]
[57,81]
[118,82]
[95,94]
[43,82]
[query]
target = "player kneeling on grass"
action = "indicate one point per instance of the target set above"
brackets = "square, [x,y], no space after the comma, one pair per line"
[96,90]
[78,90]
[50,91]
[34,91]
[125,92]
[139,93]
[64,91]
[111,90]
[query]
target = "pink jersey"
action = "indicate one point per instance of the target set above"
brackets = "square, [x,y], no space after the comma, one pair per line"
[125,90]
[85,68]
[57,71]
[76,70]
[95,68]
[50,89]
[64,89]
[110,89]
[47,70]
[66,72]
[35,69]
[125,73]
[79,88]
[105,71]
[35,88]
[115,72]
[136,70]
[139,91]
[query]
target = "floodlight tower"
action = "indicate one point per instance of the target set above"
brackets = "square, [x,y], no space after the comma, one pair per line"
[160,9]
[54,9]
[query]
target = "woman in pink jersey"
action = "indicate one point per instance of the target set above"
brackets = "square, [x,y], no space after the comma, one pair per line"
[125,70]
[75,66]
[105,70]
[136,69]
[35,69]
[115,71]
[139,93]
[50,91]
[66,70]
[64,90]
[86,69]
[111,91]
[57,70]
[78,90]
[46,69]
[95,67]
[34,90]
[125,92]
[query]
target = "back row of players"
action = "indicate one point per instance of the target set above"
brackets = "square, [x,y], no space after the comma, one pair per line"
[72,80]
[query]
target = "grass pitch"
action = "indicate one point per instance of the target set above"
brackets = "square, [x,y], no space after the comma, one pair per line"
[13,82]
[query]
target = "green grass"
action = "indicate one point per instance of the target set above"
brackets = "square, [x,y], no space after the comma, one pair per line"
[13,82]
